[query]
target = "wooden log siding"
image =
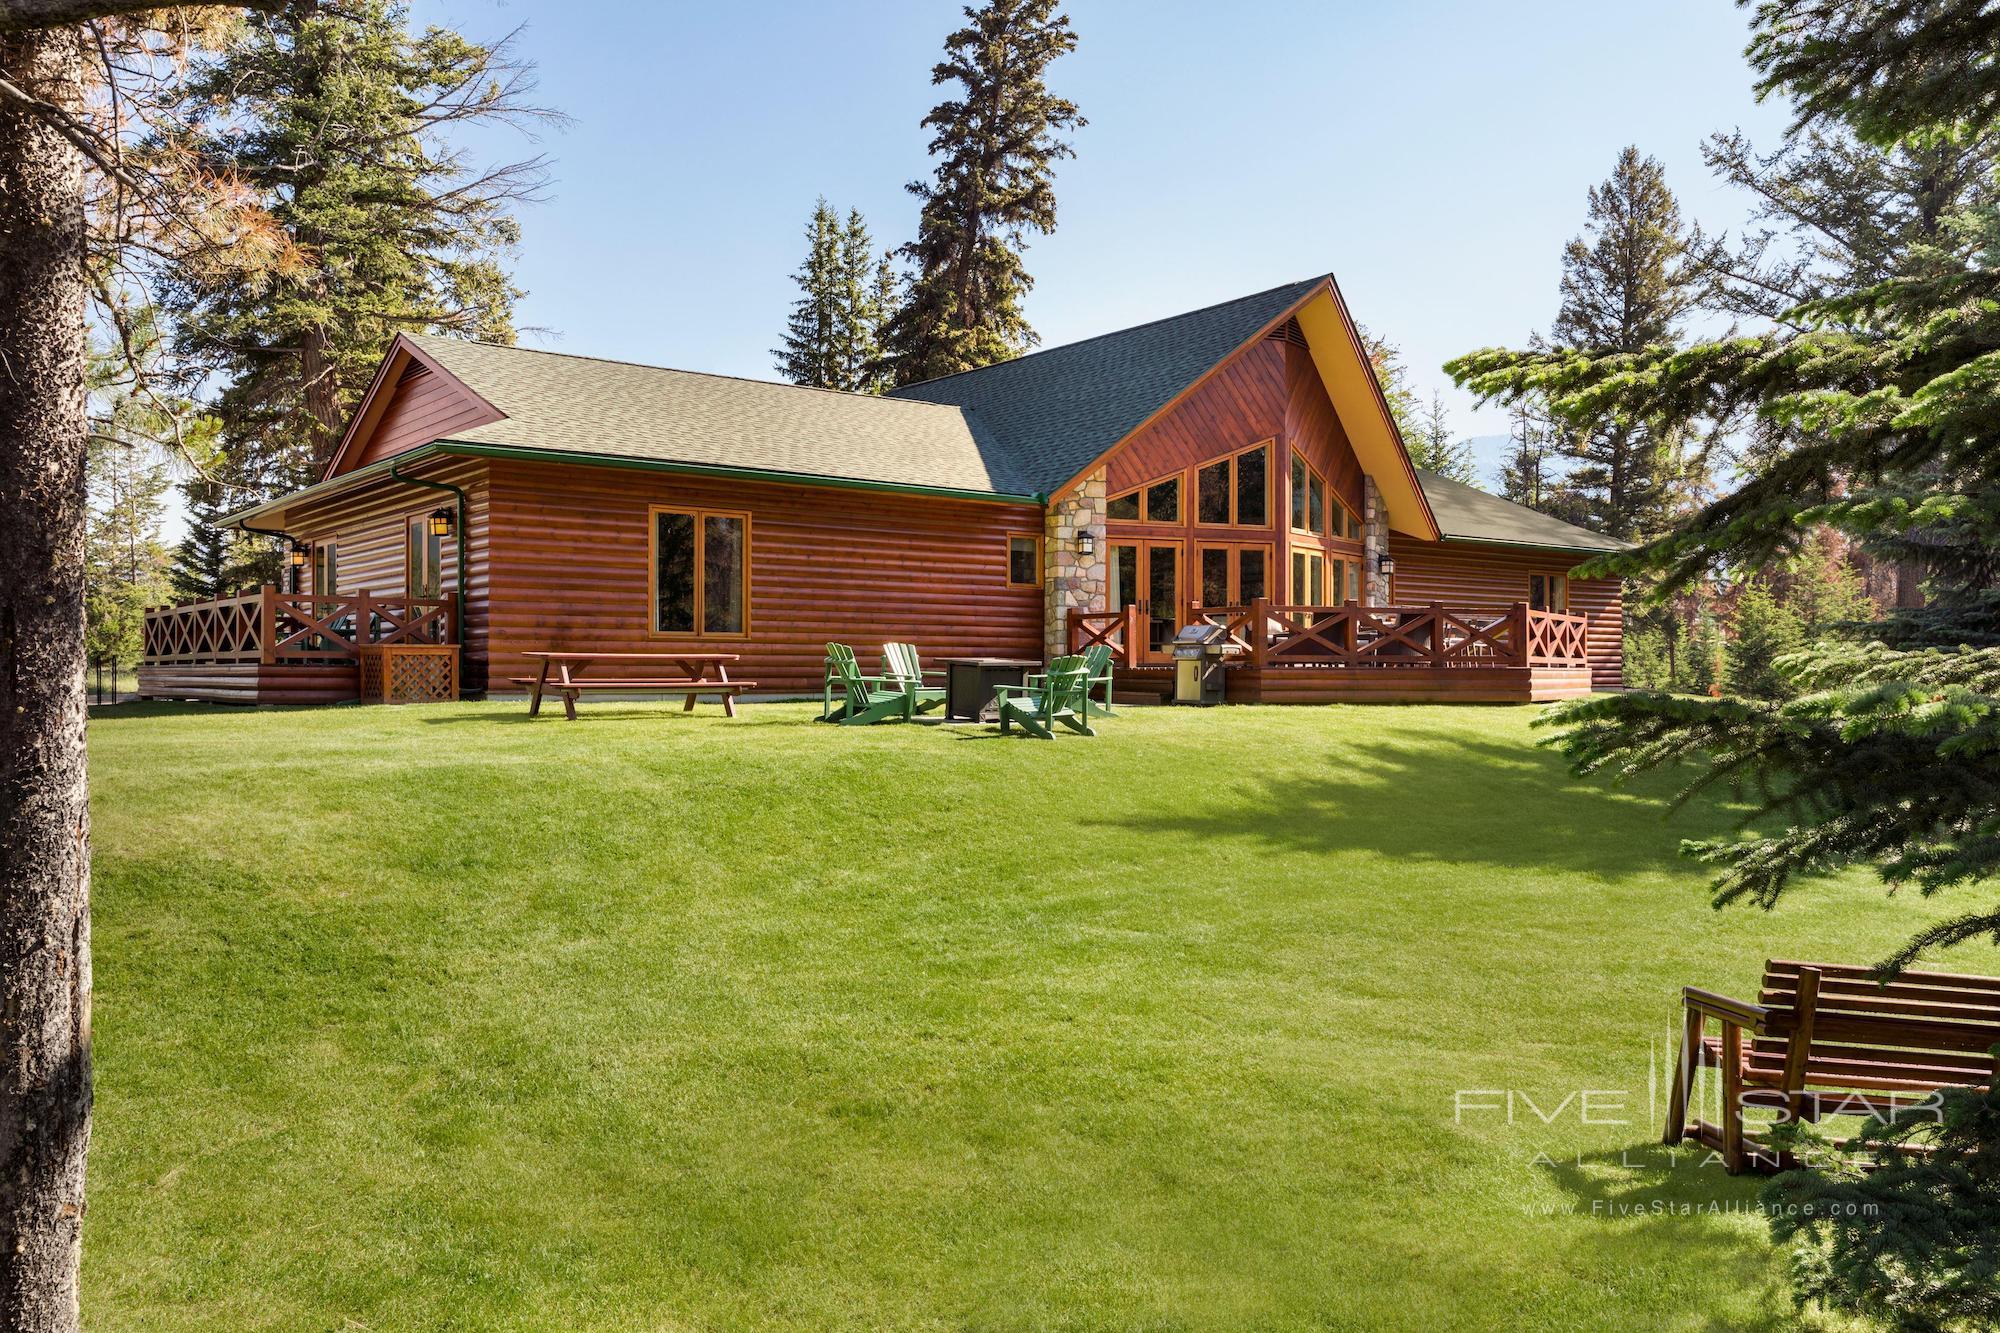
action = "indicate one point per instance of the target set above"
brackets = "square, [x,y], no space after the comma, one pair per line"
[1465,574]
[370,530]
[569,563]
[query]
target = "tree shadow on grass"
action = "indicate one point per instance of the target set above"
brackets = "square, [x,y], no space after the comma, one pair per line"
[1442,800]
[1639,1203]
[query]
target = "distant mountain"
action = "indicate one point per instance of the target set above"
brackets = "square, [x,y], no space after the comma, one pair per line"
[1488,453]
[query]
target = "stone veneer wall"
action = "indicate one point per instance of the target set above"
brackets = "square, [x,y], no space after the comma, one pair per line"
[1374,541]
[1069,579]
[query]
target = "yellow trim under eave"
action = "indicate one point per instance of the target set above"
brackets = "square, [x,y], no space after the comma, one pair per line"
[1364,413]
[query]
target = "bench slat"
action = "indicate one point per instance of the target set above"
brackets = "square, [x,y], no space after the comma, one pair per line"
[1778,967]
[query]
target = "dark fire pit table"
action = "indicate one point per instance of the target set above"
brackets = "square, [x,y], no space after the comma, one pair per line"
[969,683]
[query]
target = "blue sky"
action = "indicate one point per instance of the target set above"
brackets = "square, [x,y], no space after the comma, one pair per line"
[1435,156]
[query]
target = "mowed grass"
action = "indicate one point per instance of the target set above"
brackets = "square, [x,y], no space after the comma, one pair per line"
[436,1017]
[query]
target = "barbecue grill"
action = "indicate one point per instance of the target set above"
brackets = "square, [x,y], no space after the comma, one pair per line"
[1201,655]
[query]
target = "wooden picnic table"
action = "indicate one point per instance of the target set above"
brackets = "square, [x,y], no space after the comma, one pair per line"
[694,677]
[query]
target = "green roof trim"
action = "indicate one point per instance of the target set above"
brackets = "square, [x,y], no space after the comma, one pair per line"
[1467,514]
[331,486]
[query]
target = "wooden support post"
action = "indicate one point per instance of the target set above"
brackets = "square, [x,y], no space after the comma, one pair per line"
[1437,633]
[1798,1047]
[267,625]
[1683,1089]
[1523,647]
[1260,631]
[1732,1098]
[364,612]
[1135,642]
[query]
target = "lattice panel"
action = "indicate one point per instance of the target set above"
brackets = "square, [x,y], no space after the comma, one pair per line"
[409,674]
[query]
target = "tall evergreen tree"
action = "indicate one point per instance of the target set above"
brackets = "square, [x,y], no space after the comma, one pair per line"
[813,329]
[1886,405]
[996,145]
[1626,284]
[337,119]
[1386,360]
[1529,474]
[1433,448]
[833,337]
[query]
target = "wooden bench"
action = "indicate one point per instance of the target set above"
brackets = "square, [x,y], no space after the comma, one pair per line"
[692,681]
[1827,1039]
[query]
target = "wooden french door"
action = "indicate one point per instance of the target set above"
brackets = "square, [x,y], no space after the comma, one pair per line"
[1149,574]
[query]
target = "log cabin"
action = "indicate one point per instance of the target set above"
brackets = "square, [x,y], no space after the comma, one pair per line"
[1237,462]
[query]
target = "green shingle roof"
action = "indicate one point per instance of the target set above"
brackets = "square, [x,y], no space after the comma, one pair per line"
[1468,514]
[1058,409]
[582,405]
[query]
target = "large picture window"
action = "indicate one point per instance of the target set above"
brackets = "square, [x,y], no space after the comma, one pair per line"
[1155,502]
[701,573]
[1235,490]
[1317,507]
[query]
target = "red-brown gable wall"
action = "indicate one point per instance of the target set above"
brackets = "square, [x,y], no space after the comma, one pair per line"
[1470,577]
[1269,391]
[424,406]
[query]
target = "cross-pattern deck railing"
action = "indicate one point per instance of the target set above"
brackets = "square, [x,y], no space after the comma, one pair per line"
[269,626]
[1275,635]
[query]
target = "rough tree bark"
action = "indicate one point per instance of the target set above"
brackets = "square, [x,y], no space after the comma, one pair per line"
[44,814]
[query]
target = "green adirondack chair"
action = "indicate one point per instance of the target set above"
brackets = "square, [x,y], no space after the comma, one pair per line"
[864,700]
[900,663]
[1058,696]
[1096,671]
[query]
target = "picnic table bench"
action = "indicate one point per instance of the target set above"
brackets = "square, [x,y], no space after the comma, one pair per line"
[1829,1039]
[694,677]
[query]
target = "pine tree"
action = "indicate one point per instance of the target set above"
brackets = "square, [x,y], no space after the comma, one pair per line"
[996,146]
[1529,474]
[1432,447]
[1386,360]
[812,332]
[1887,756]
[205,564]
[1626,284]
[833,337]
[336,119]
[1766,629]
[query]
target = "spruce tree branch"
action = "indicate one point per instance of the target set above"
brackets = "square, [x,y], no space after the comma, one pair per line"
[20,15]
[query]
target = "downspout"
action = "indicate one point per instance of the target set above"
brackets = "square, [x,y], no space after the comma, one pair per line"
[461,541]
[282,536]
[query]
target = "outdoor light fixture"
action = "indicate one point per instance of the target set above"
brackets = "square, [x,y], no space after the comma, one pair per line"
[1086,545]
[441,522]
[298,555]
[1385,563]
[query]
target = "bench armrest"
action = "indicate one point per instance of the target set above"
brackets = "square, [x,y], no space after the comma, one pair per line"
[1756,1017]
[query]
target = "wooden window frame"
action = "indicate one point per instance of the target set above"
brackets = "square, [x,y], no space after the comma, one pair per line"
[1234,595]
[1338,511]
[1235,519]
[417,528]
[326,569]
[1007,547]
[1183,477]
[1560,581]
[700,514]
[1294,595]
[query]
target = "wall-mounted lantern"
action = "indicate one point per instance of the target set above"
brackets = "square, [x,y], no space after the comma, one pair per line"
[297,555]
[1086,545]
[442,522]
[1386,564]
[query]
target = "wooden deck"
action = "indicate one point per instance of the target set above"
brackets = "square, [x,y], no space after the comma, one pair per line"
[1363,654]
[268,647]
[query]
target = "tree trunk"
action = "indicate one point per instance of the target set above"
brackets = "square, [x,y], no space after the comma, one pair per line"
[44,813]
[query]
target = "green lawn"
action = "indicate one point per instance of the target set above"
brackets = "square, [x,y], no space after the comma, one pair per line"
[435,1017]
